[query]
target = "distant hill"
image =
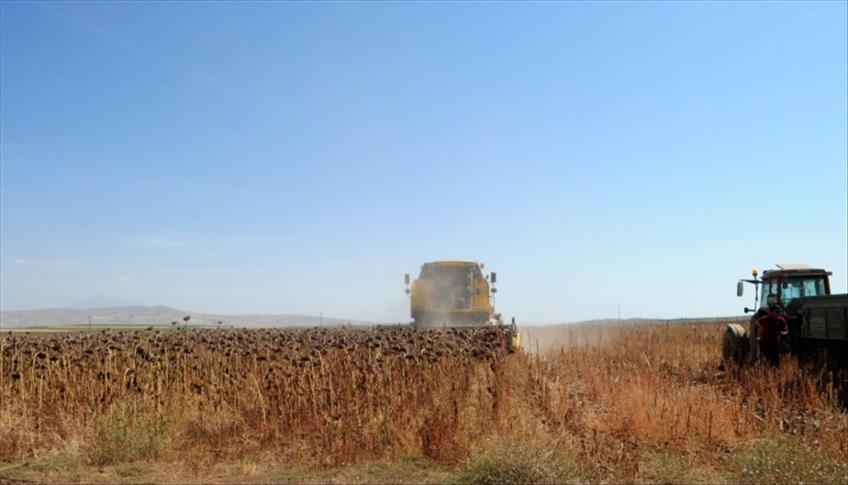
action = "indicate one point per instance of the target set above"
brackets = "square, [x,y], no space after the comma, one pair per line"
[154,315]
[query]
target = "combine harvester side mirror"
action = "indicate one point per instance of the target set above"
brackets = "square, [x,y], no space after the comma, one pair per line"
[406,278]
[493,277]
[739,288]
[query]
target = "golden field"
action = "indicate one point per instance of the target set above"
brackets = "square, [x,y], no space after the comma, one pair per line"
[640,403]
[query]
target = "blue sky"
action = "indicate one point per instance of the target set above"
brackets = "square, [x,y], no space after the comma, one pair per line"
[299,158]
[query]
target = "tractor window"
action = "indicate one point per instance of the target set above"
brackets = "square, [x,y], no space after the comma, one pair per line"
[814,287]
[792,289]
[801,288]
[770,287]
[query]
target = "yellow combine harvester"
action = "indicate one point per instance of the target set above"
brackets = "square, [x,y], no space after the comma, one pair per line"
[451,294]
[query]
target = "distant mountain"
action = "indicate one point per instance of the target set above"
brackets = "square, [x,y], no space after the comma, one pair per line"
[100,301]
[155,315]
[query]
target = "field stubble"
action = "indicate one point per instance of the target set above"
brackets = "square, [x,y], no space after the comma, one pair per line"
[643,403]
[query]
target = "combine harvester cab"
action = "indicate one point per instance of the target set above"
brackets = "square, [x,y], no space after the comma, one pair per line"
[456,294]
[817,320]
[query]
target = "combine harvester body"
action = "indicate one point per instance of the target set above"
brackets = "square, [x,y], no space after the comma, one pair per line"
[456,294]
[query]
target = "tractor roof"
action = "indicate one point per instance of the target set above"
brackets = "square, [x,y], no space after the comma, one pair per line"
[791,266]
[794,270]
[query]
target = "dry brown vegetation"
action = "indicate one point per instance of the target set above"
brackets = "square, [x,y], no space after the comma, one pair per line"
[618,403]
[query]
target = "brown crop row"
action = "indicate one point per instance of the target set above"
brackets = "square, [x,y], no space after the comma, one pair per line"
[342,393]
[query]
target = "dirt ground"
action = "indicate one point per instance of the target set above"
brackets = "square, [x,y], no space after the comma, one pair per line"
[56,471]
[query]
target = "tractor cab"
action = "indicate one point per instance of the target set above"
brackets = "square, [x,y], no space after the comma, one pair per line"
[787,286]
[791,286]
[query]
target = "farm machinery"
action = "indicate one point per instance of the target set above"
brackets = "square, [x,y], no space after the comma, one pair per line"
[456,295]
[817,320]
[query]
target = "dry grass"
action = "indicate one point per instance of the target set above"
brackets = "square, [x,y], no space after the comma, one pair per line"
[648,397]
[628,403]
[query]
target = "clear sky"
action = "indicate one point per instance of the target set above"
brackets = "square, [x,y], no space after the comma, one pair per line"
[300,158]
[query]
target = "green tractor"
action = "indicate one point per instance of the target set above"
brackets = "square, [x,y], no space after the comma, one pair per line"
[818,320]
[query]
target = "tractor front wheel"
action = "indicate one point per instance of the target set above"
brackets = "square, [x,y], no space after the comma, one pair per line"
[734,343]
